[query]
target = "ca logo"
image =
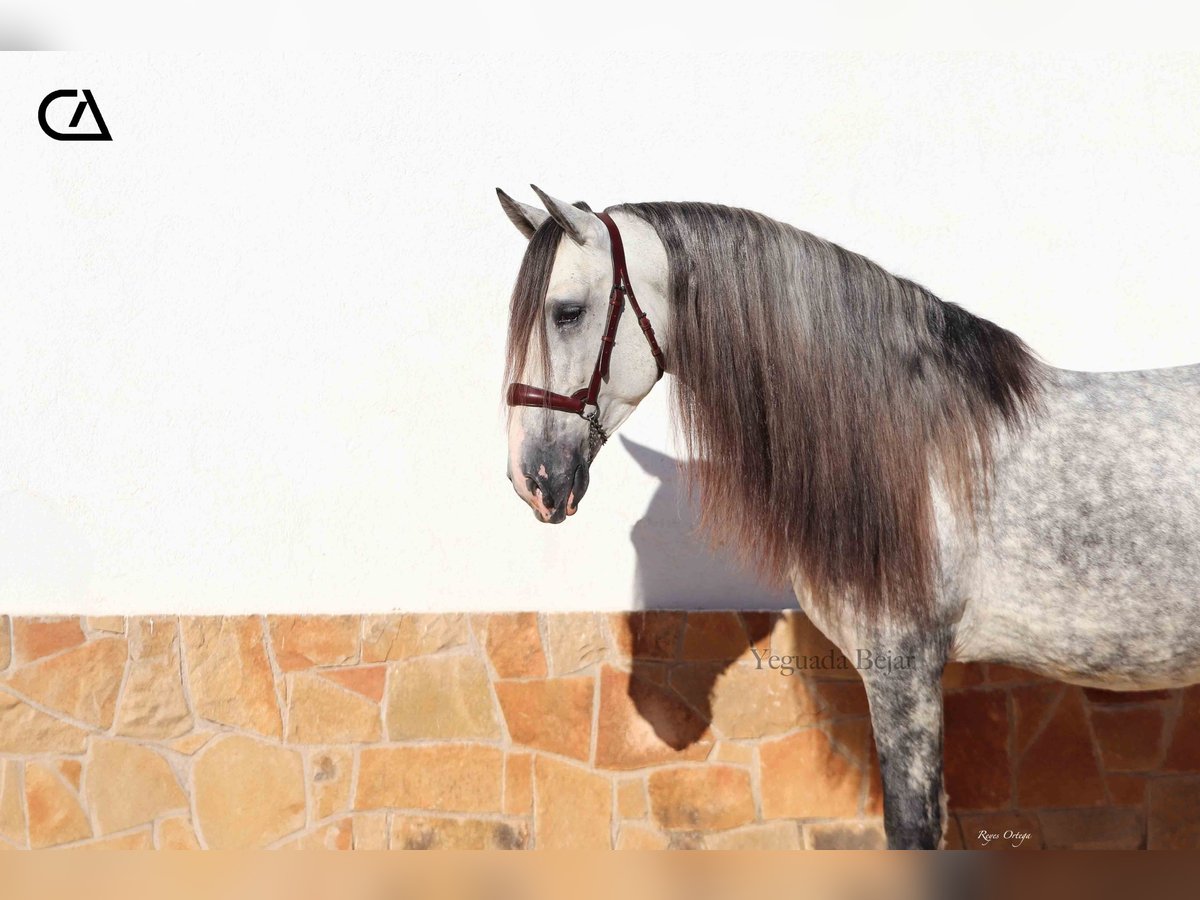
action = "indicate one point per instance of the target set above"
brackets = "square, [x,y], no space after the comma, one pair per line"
[87,103]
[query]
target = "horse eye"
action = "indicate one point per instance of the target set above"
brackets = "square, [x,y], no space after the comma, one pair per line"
[567,314]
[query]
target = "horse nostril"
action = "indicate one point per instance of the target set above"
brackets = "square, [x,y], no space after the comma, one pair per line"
[532,485]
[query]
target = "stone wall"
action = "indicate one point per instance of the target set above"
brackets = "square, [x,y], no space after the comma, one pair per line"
[540,730]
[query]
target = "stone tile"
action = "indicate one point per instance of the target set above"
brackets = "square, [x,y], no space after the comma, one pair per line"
[685,840]
[55,814]
[1032,706]
[1004,831]
[514,644]
[301,642]
[5,643]
[403,636]
[175,833]
[128,785]
[366,680]
[573,806]
[1173,820]
[841,698]
[952,839]
[138,840]
[229,677]
[695,683]
[518,784]
[321,712]
[81,682]
[1093,829]
[71,770]
[337,835]
[633,836]
[758,627]
[34,638]
[714,636]
[331,772]
[439,698]
[854,738]
[424,833]
[746,702]
[248,793]
[631,798]
[976,750]
[729,752]
[711,797]
[370,831]
[107,624]
[1059,768]
[804,776]
[795,635]
[647,635]
[770,836]
[643,724]
[153,704]
[12,806]
[554,715]
[1126,790]
[436,777]
[24,729]
[1108,698]
[189,744]
[958,676]
[652,671]
[1129,737]
[576,641]
[998,673]
[845,836]
[1183,755]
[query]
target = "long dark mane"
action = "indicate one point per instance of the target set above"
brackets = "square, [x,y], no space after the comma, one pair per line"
[824,398]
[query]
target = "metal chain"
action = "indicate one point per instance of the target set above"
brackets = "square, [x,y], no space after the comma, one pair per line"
[595,431]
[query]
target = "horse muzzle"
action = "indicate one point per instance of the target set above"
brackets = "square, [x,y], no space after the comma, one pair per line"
[553,492]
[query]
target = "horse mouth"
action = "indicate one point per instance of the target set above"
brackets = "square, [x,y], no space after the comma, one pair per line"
[554,509]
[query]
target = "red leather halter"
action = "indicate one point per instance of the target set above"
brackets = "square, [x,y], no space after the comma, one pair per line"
[580,401]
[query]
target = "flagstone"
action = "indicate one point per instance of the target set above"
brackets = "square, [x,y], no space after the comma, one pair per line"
[81,682]
[230,679]
[248,793]
[55,814]
[153,704]
[128,784]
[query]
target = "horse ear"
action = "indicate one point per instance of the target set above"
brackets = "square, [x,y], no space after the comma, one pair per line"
[583,226]
[527,218]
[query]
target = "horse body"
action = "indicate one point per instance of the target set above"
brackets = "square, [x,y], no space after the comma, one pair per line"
[1087,565]
[934,492]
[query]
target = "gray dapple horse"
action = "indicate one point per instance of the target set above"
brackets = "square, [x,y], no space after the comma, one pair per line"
[931,490]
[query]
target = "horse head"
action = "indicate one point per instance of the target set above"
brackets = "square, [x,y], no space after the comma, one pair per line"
[567,335]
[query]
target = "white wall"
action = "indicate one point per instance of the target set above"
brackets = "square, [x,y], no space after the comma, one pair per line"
[250,350]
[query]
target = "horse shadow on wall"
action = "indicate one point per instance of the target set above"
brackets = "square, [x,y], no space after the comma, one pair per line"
[699,612]
[677,568]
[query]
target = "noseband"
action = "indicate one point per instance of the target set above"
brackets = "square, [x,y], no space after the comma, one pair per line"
[584,400]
